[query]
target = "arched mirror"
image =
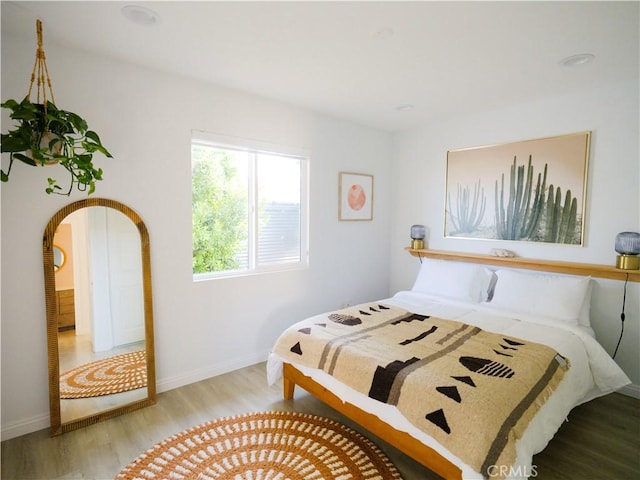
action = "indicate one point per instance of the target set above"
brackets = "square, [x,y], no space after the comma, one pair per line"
[99,313]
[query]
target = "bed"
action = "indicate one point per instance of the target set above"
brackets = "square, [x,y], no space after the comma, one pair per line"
[470,373]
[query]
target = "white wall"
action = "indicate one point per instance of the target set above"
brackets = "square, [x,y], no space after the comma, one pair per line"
[613,198]
[145,119]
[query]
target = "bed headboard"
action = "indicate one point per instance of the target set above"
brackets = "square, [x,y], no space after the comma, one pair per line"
[570,268]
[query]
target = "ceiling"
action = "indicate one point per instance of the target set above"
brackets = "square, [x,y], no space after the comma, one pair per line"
[359,60]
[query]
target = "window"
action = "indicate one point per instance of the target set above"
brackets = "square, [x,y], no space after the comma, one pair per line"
[249,209]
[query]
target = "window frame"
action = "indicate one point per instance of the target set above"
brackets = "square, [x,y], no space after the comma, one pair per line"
[255,147]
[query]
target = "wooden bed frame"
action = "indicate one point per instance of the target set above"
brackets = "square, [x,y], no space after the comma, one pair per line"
[402,440]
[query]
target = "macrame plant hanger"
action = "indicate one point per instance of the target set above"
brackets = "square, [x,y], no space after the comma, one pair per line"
[40,73]
[47,135]
[40,76]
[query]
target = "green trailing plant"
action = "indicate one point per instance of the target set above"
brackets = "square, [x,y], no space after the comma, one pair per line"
[46,135]
[469,213]
[560,219]
[519,219]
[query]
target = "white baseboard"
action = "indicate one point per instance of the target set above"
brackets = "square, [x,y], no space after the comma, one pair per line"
[631,390]
[40,422]
[22,427]
[194,376]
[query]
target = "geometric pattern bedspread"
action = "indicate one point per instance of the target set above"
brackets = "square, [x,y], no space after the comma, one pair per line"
[474,391]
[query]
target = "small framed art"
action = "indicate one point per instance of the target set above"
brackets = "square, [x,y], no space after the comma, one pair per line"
[356,196]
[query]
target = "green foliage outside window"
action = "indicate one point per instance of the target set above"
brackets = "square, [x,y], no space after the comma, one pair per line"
[219,211]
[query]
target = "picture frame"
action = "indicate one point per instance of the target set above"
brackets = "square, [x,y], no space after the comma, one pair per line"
[355,200]
[531,190]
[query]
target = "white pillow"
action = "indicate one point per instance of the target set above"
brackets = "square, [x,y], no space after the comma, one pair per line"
[584,317]
[551,296]
[455,280]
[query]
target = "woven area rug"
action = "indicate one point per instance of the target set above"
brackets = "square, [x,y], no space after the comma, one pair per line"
[120,373]
[264,446]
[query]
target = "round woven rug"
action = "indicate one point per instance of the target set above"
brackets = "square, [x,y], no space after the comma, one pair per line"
[116,374]
[264,446]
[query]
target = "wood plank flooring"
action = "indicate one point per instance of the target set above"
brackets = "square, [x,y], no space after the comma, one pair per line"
[601,440]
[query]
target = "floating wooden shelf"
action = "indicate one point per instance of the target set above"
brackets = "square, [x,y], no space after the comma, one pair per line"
[584,269]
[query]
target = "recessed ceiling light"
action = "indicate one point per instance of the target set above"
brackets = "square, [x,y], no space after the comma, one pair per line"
[140,15]
[404,107]
[579,59]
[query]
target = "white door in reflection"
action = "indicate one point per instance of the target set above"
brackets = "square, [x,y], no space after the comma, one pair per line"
[118,308]
[125,267]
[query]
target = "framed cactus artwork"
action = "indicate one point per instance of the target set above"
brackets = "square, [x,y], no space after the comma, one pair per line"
[532,190]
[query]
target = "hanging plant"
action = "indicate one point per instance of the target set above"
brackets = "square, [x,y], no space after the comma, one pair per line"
[47,135]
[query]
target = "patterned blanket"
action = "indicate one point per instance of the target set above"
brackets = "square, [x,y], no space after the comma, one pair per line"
[473,391]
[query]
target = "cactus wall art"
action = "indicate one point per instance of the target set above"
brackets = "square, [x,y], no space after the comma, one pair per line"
[468,212]
[535,190]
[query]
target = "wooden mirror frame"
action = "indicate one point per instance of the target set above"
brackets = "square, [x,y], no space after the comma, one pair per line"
[57,427]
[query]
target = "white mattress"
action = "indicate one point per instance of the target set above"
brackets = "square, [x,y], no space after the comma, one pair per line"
[592,374]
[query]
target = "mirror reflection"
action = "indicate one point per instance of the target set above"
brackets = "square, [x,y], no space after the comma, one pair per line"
[59,258]
[99,314]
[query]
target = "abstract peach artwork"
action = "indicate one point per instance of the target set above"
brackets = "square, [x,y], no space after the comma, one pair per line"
[356,196]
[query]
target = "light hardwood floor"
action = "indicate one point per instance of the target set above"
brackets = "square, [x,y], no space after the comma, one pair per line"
[600,441]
